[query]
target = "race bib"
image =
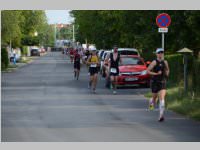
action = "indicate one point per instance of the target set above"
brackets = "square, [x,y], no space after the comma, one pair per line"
[113,70]
[93,65]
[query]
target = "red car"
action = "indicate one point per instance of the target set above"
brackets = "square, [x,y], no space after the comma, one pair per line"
[133,71]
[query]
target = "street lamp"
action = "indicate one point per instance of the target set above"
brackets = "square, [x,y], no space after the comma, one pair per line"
[36,33]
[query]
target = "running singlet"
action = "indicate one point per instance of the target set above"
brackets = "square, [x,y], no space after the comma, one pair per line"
[93,59]
[71,52]
[77,58]
[160,66]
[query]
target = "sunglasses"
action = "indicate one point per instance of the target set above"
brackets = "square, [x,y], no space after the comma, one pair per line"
[160,52]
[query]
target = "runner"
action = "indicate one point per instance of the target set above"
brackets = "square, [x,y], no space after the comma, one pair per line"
[71,53]
[159,70]
[93,63]
[114,67]
[77,64]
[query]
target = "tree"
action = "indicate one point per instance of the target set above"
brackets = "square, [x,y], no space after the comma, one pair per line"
[137,28]
[10,27]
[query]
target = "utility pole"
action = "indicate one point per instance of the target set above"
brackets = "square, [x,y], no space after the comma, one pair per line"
[55,35]
[73,34]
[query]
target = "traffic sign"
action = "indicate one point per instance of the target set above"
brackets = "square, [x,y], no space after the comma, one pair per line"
[163,20]
[163,30]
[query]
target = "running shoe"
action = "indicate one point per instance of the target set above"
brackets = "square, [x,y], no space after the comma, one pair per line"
[114,92]
[151,105]
[161,119]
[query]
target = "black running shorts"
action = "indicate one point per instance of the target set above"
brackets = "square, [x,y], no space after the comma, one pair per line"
[93,70]
[77,65]
[116,73]
[156,86]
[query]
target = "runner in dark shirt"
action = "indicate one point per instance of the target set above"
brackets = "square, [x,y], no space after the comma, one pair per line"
[159,70]
[114,68]
[77,64]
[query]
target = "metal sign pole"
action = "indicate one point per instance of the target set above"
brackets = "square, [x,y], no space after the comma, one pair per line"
[163,40]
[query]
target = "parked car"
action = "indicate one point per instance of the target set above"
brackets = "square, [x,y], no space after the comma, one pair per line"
[35,52]
[100,53]
[132,72]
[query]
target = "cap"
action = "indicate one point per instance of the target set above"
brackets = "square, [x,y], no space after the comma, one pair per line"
[93,49]
[159,50]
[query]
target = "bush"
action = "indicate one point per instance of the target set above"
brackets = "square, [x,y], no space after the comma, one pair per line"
[24,50]
[195,76]
[176,67]
[4,58]
[176,77]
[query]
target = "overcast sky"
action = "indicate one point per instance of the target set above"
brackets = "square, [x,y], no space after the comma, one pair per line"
[58,16]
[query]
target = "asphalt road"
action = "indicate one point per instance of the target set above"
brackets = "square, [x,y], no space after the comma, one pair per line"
[41,102]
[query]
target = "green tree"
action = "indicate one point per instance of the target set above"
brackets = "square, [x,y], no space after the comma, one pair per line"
[10,27]
[137,28]
[35,21]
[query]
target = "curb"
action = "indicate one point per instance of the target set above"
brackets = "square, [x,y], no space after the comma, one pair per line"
[19,66]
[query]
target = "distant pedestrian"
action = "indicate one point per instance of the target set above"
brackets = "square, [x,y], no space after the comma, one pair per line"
[159,70]
[14,57]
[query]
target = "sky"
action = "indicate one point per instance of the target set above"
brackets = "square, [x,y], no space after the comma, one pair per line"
[58,16]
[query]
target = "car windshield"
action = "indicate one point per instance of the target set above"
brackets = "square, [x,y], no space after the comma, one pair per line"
[128,53]
[132,61]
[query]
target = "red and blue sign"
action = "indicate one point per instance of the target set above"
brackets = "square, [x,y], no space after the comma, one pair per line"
[163,20]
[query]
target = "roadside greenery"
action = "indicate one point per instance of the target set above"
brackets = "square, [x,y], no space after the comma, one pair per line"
[138,29]
[18,27]
[4,58]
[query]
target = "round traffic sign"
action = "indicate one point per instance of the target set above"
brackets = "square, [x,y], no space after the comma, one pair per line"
[163,20]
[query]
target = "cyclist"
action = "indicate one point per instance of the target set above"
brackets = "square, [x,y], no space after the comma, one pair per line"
[159,70]
[114,67]
[77,64]
[93,63]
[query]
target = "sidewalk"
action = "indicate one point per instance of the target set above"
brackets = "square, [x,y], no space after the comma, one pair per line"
[12,67]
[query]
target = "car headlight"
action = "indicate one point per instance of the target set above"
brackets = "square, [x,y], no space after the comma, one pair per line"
[144,72]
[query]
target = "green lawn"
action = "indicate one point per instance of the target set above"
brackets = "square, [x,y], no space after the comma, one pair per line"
[178,101]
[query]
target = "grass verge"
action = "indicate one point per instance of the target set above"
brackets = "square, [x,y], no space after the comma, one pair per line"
[185,104]
[12,67]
